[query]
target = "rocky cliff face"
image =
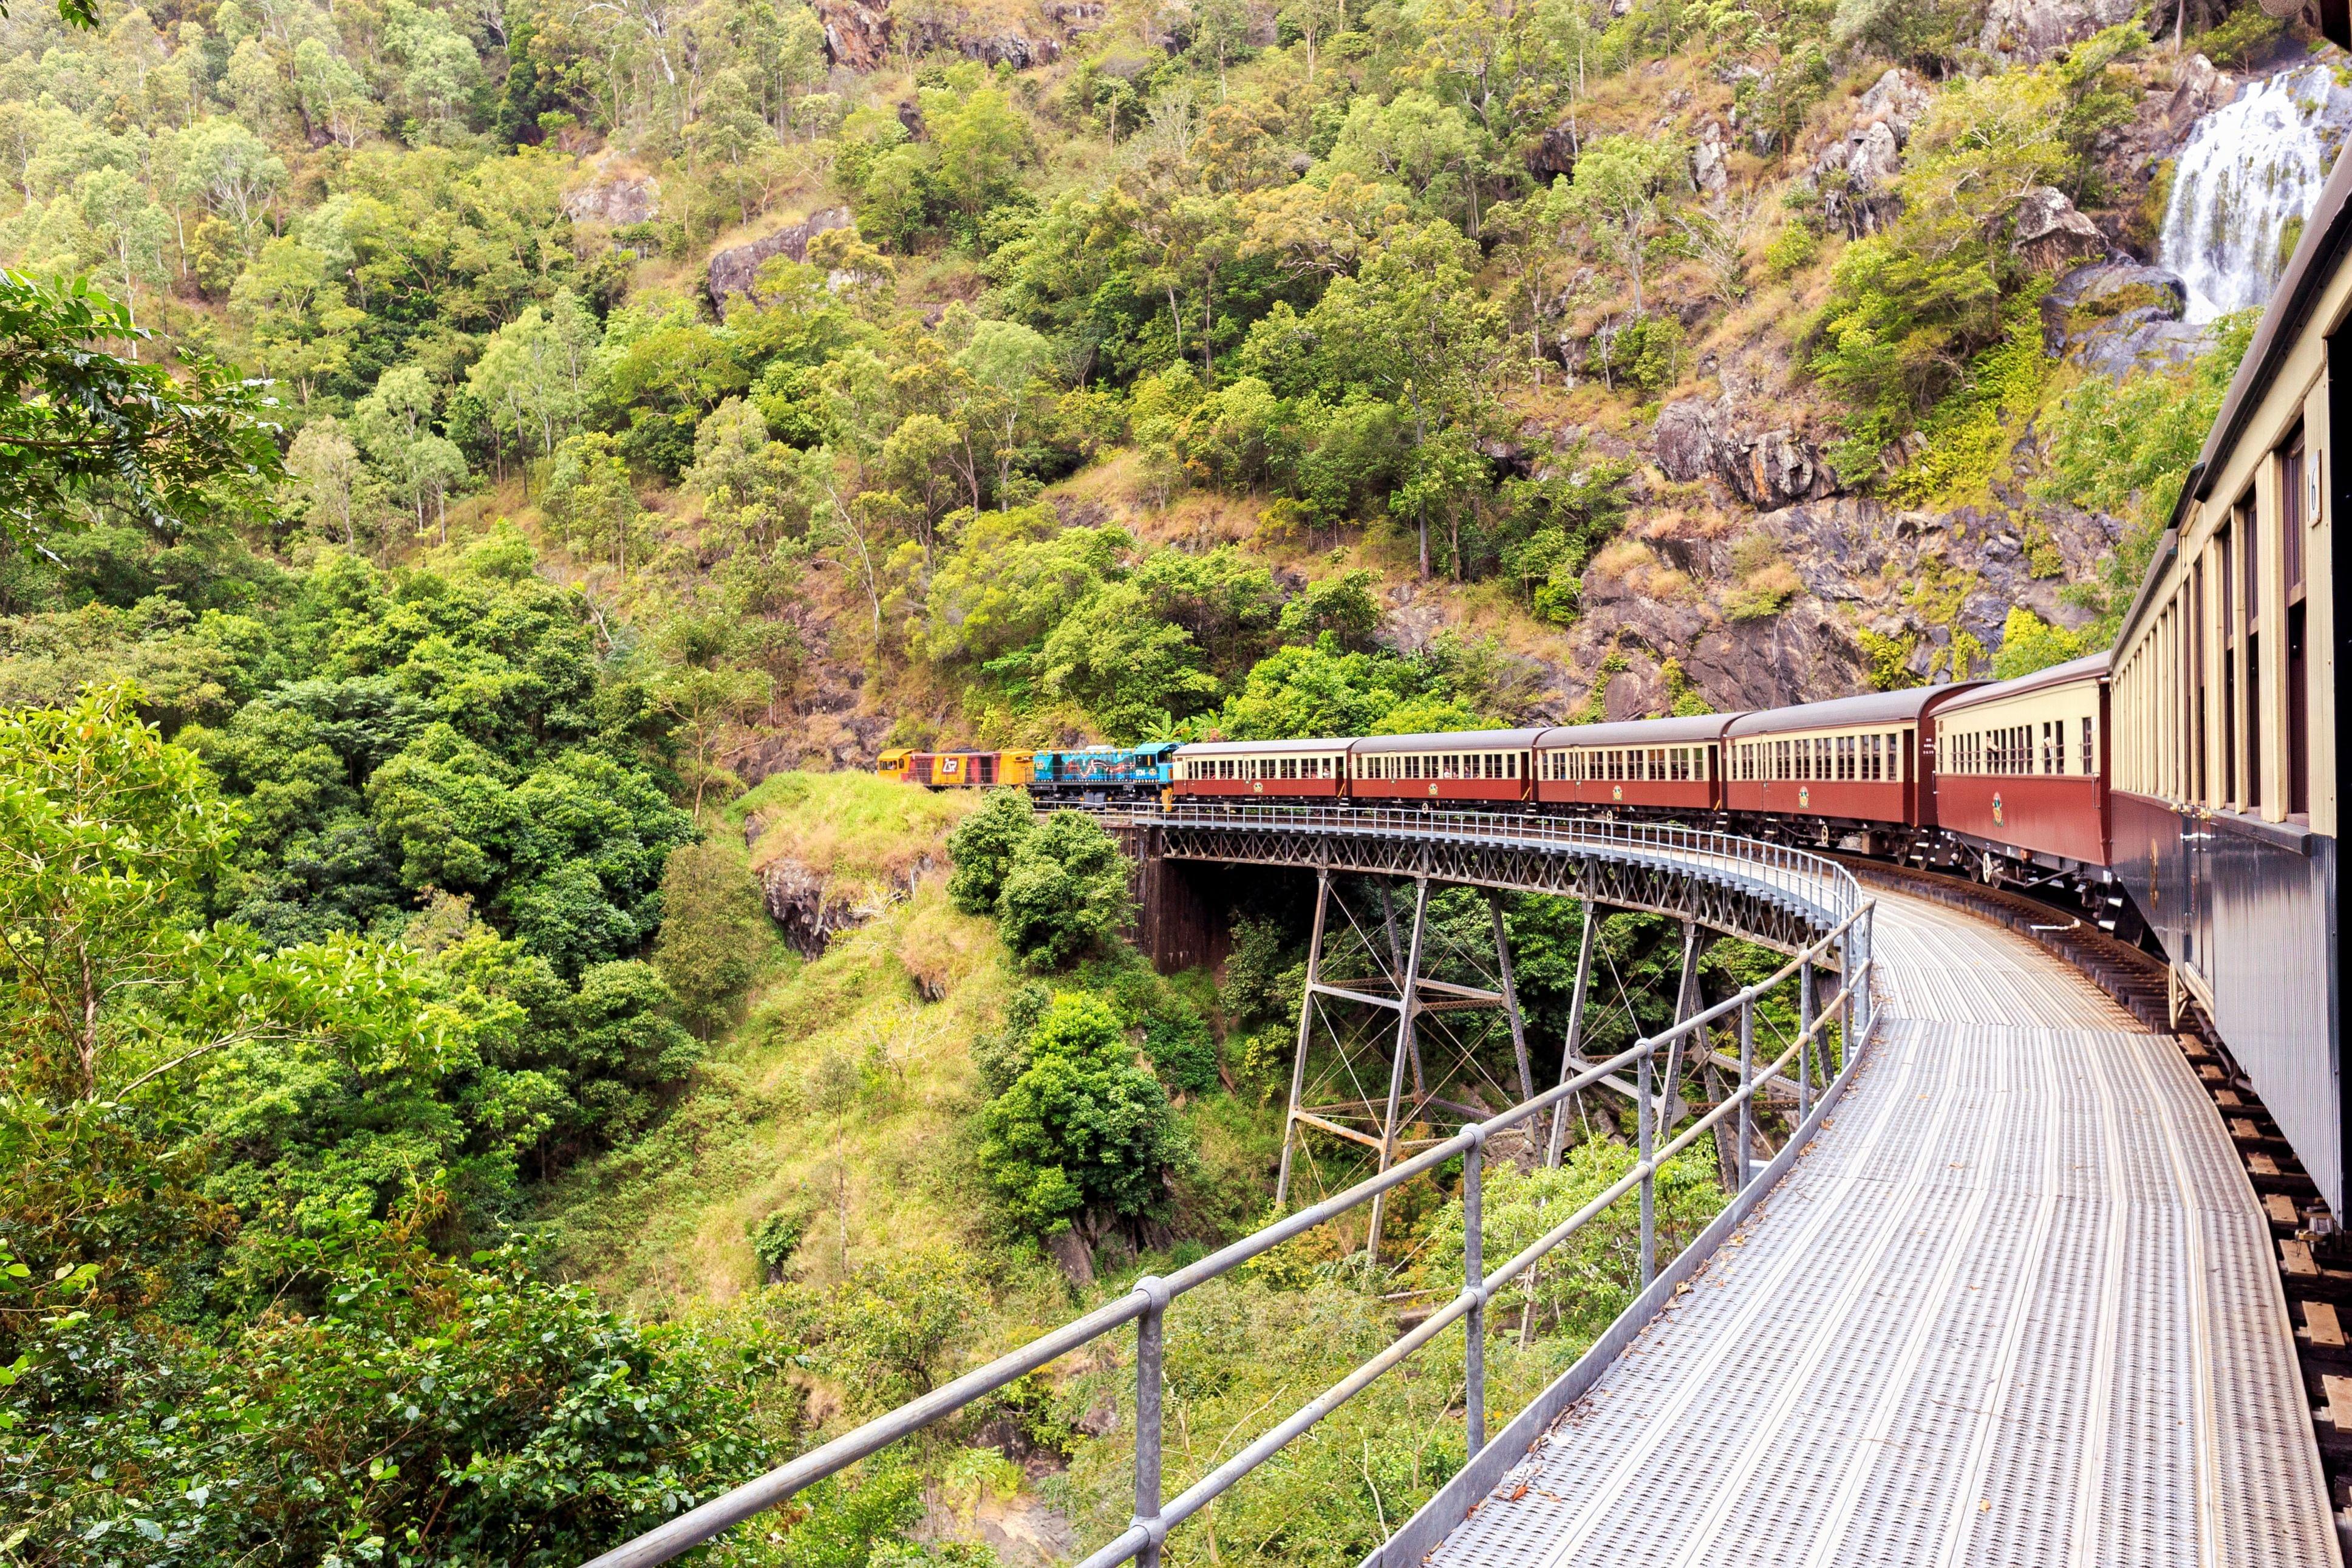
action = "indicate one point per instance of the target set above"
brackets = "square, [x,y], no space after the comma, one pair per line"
[861,37]
[734,270]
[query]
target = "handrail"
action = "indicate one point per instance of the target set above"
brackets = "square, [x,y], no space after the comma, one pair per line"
[1147,1303]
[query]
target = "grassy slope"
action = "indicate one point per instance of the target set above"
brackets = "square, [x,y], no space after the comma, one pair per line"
[668,1220]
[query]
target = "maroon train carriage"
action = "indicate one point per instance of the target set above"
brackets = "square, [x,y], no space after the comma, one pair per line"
[1865,761]
[1260,770]
[1648,765]
[2020,767]
[1471,768]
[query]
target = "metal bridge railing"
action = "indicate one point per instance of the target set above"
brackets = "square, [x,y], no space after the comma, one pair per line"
[1794,873]
[1148,1303]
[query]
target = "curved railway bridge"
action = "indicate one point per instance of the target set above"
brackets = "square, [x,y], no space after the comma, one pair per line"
[2002,1295]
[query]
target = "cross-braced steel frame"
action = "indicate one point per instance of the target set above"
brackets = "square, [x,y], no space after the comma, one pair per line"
[1371,1001]
[1383,1015]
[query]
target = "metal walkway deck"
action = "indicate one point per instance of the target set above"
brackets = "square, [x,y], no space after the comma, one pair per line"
[2016,1307]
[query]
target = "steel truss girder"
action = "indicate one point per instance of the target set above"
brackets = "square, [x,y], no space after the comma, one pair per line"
[1713,897]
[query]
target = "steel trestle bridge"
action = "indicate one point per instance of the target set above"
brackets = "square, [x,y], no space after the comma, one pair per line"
[2000,1295]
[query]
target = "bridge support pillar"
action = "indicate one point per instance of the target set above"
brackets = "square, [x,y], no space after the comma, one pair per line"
[1307,1003]
[1572,1052]
[1408,1045]
[1179,916]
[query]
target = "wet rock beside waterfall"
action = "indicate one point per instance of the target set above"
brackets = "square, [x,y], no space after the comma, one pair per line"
[2244,177]
[2114,317]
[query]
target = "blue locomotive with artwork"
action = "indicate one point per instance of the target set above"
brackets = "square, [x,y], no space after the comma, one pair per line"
[1094,774]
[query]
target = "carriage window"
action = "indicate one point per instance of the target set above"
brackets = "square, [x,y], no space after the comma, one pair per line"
[2089,762]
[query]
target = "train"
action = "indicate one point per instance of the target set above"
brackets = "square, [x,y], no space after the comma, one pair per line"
[1858,774]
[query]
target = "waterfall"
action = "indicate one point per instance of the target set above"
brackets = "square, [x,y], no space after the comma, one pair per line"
[2246,172]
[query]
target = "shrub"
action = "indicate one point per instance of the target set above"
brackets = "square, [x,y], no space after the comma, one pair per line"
[1183,1052]
[983,846]
[1083,1127]
[1888,659]
[713,931]
[2029,643]
[1064,891]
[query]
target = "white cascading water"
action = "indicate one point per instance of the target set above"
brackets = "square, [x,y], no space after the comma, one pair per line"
[2246,172]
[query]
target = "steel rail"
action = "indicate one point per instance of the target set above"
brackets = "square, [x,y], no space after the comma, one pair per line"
[1147,1303]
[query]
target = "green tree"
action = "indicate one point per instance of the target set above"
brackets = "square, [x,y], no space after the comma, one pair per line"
[394,425]
[1412,328]
[1065,891]
[982,847]
[83,433]
[1083,1135]
[335,483]
[130,229]
[1617,188]
[712,933]
[589,497]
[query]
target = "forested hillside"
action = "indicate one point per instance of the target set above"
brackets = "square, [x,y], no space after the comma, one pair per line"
[484,1068]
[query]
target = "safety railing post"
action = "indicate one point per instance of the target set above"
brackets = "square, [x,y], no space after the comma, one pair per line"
[1149,1338]
[1805,1028]
[1845,998]
[1644,1119]
[1473,1280]
[1747,1083]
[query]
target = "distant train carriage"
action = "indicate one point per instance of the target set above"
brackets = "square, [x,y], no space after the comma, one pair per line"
[1260,770]
[1867,761]
[1660,765]
[955,769]
[2020,766]
[1094,775]
[1473,767]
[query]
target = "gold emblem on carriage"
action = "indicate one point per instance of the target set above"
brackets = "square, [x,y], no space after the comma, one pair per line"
[1996,808]
[1804,797]
[1616,792]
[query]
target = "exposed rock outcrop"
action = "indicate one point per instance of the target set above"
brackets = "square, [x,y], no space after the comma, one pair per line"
[2049,233]
[861,38]
[2027,32]
[1768,469]
[1553,155]
[1857,173]
[732,270]
[1711,160]
[2114,317]
[613,197]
